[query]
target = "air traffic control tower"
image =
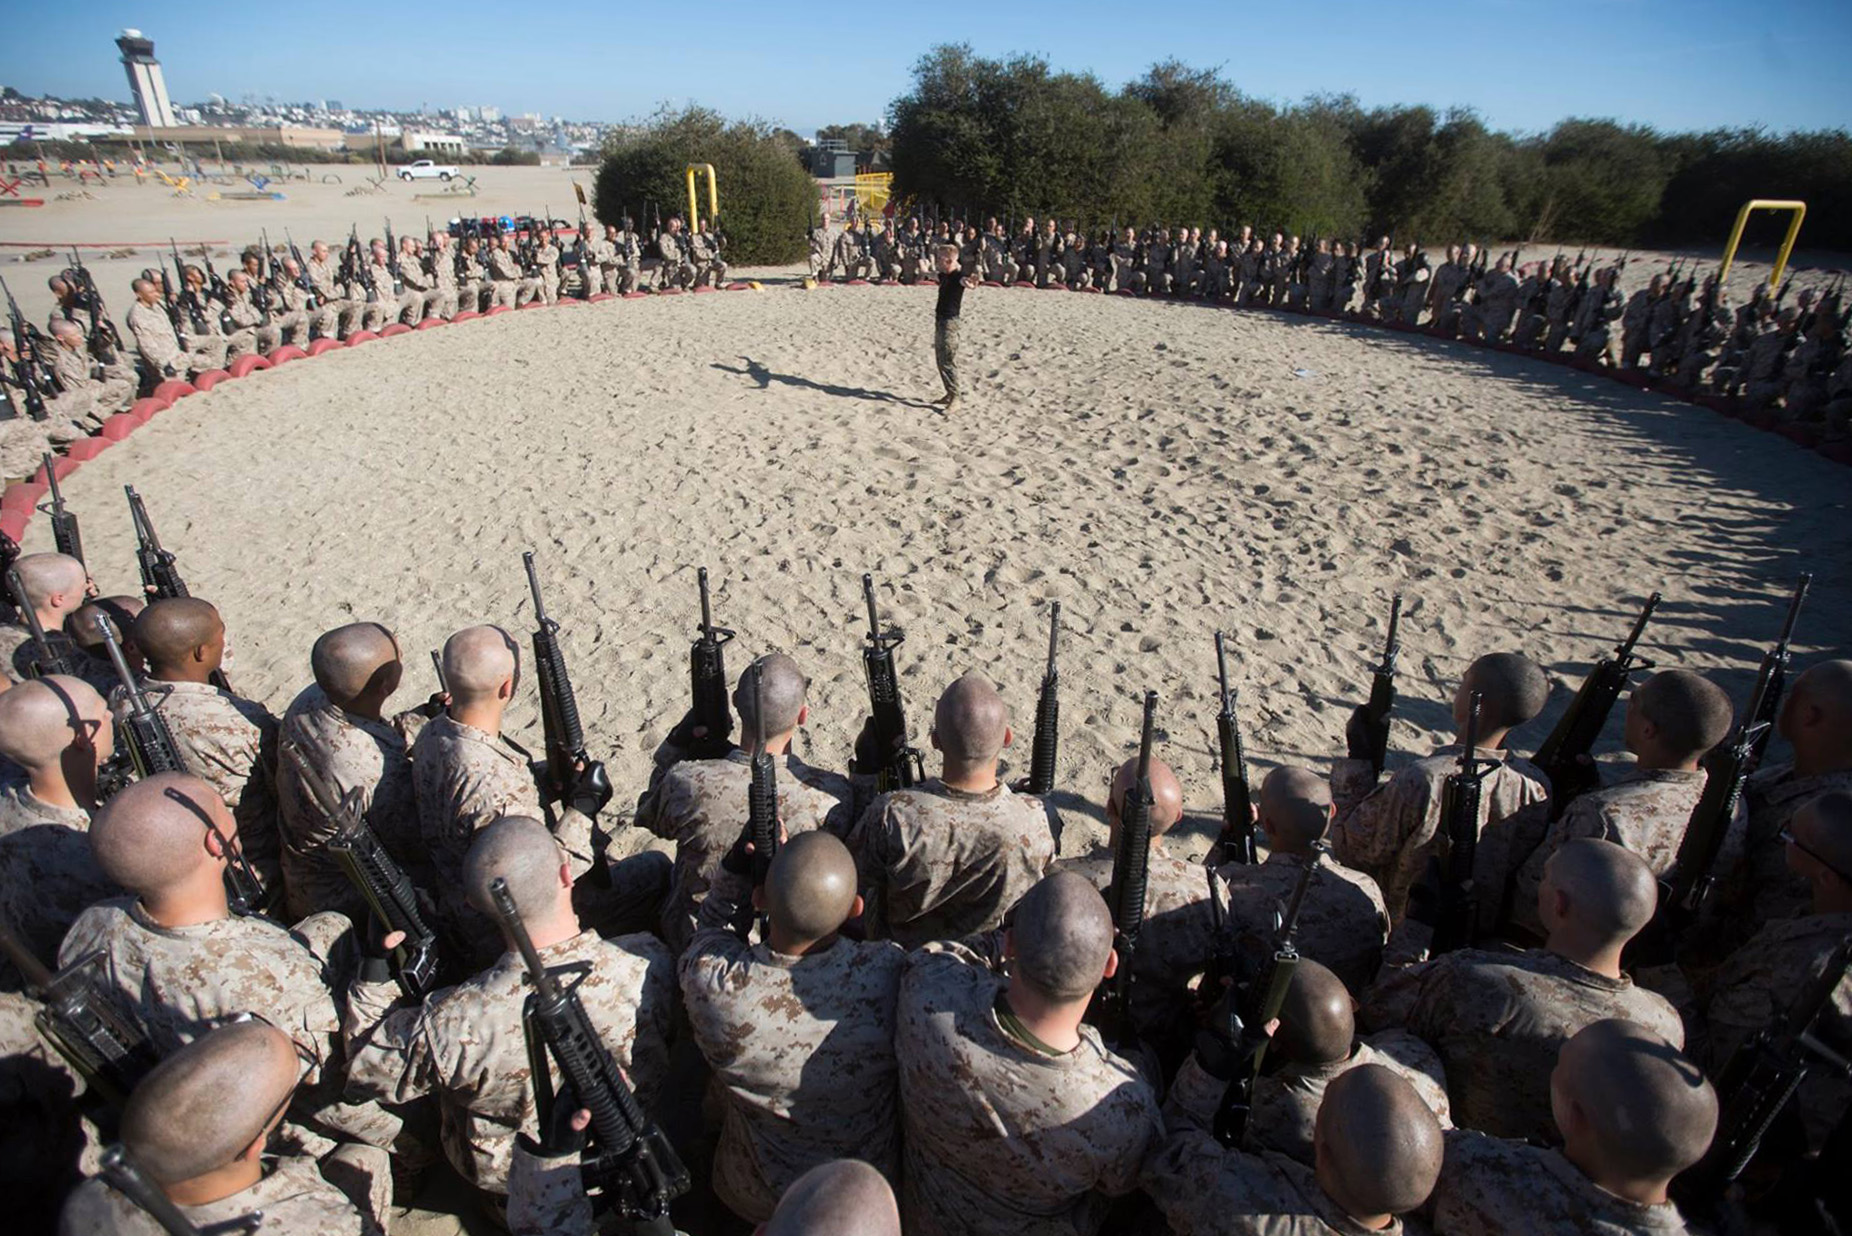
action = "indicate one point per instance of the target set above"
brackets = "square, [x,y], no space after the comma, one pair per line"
[145,80]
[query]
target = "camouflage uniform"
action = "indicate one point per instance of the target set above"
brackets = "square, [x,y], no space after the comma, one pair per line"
[292,1197]
[46,1137]
[1759,984]
[1176,944]
[1492,1187]
[48,873]
[1286,1099]
[1772,797]
[1388,831]
[19,655]
[1498,1020]
[465,779]
[1343,924]
[231,744]
[546,1196]
[1002,1139]
[1645,811]
[700,805]
[937,863]
[466,1042]
[354,754]
[1205,1189]
[804,1047]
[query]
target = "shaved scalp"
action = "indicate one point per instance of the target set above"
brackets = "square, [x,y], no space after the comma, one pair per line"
[1166,793]
[1514,688]
[1691,713]
[348,660]
[1062,936]
[1826,686]
[1823,825]
[1317,1023]
[781,687]
[1297,803]
[477,660]
[520,850]
[810,888]
[970,720]
[41,718]
[200,1108]
[168,631]
[1611,890]
[1379,1145]
[1651,1112]
[42,575]
[845,1197]
[121,613]
[152,834]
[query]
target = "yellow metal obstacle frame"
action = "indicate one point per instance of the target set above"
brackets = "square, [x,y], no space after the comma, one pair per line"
[713,194]
[1797,209]
[872,190]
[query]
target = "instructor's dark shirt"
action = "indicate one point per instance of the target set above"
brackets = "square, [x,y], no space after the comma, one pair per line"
[951,293]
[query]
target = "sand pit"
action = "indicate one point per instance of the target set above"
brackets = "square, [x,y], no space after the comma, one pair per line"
[1161,469]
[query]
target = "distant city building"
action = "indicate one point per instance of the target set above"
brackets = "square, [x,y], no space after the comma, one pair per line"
[333,105]
[490,115]
[145,80]
[434,143]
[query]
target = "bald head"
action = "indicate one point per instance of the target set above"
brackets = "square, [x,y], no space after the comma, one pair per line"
[477,661]
[845,1197]
[970,722]
[1608,893]
[1166,794]
[179,633]
[781,690]
[1295,808]
[520,850]
[810,889]
[201,1108]
[1061,937]
[358,659]
[1817,717]
[1317,1022]
[1378,1147]
[1514,689]
[120,613]
[54,584]
[1629,1104]
[42,718]
[152,836]
[1687,713]
[1822,831]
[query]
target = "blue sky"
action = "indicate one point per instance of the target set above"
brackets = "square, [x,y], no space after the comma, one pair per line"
[1677,64]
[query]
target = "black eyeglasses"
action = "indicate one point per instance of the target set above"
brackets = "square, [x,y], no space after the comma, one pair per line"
[1787,835]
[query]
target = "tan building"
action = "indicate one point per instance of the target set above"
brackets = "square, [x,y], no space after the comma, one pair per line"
[282,135]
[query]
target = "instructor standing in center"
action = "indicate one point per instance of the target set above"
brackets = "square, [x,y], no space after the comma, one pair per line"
[952,285]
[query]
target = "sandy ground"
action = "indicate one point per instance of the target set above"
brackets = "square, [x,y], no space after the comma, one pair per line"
[1162,470]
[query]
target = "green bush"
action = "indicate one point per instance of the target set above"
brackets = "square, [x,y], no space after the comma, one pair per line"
[767,199]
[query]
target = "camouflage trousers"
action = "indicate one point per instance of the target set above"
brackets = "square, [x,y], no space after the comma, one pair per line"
[945,354]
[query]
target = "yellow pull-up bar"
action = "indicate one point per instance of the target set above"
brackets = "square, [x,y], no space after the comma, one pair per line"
[1797,209]
[713,194]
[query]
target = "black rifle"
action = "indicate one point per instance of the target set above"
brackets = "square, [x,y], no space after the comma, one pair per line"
[64,532]
[152,750]
[170,303]
[1382,690]
[302,270]
[761,806]
[392,261]
[573,777]
[707,679]
[389,893]
[1047,716]
[1563,753]
[1125,897]
[45,658]
[81,1020]
[1456,910]
[121,1174]
[1236,844]
[160,577]
[1244,1022]
[189,299]
[630,1161]
[899,765]
[1763,1074]
[103,334]
[1687,884]
[29,371]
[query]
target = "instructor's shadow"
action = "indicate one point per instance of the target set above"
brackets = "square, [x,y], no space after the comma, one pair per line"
[761,373]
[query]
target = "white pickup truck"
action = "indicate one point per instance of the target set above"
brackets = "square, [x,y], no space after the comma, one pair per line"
[424,169]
